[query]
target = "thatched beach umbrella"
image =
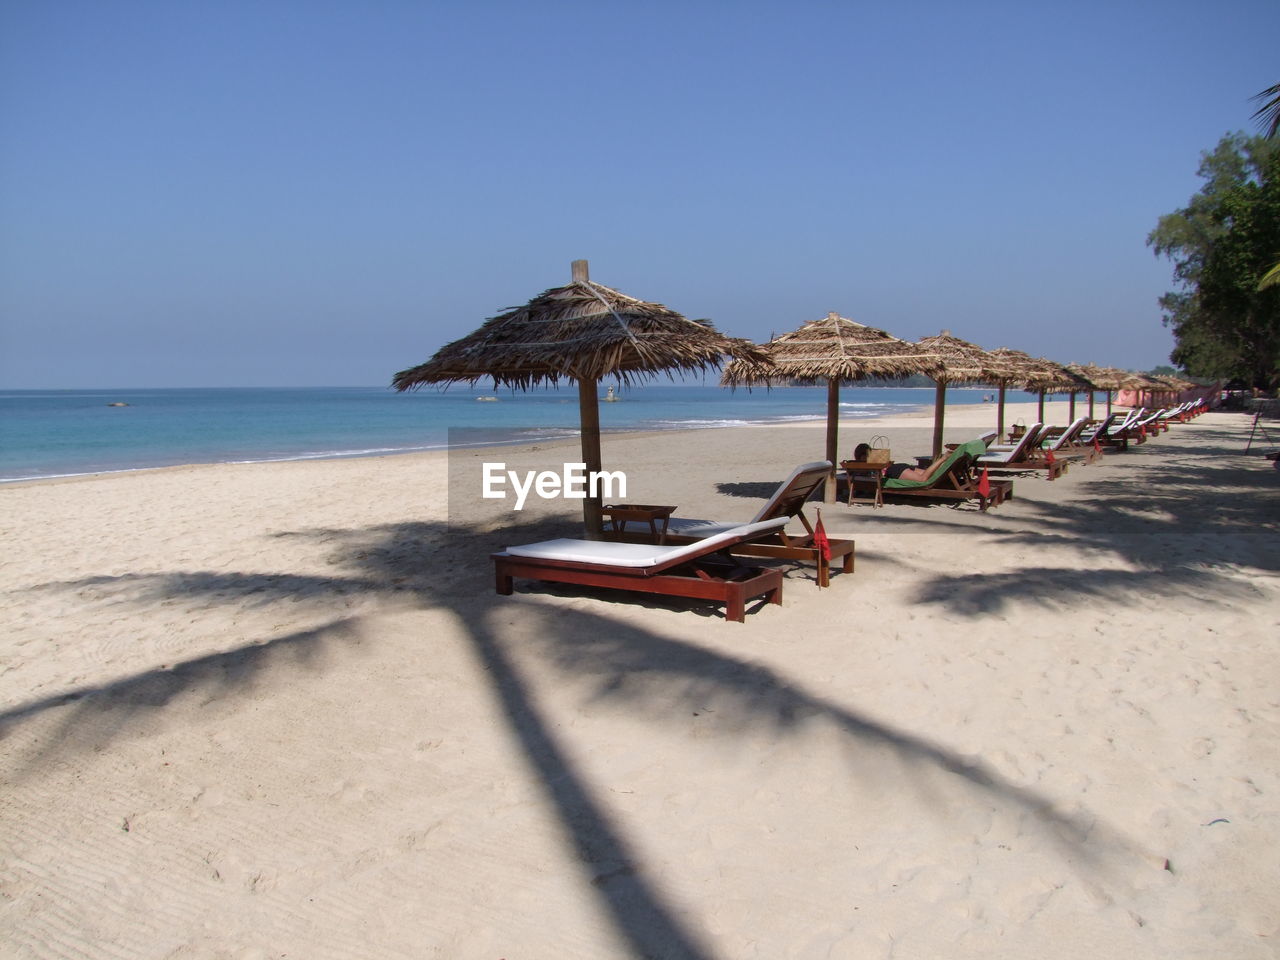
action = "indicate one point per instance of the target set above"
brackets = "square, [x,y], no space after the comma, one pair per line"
[1173,385]
[1055,378]
[962,363]
[1021,368]
[1141,383]
[832,350]
[1075,382]
[1106,379]
[583,332]
[1033,374]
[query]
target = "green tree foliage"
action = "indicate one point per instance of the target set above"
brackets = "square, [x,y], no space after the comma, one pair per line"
[1268,116]
[1221,243]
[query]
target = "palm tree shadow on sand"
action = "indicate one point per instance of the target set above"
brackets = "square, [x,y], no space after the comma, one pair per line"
[1190,528]
[659,677]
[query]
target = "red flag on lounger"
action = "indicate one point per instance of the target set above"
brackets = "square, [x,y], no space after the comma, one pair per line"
[984,484]
[820,539]
[1096,445]
[1049,457]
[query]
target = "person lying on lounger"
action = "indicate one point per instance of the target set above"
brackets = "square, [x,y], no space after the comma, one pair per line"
[896,471]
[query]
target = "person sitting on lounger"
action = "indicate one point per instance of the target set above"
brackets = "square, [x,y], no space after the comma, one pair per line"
[896,471]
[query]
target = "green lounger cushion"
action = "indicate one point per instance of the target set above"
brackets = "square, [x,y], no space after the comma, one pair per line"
[974,448]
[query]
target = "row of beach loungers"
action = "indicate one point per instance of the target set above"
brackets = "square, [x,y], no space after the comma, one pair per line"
[702,559]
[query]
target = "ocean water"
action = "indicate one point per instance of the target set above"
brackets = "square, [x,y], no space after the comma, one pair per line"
[51,433]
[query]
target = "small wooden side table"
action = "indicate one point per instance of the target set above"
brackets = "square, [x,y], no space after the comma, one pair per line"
[877,472]
[620,513]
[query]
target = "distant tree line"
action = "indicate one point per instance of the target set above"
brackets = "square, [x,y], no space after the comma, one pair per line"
[1225,318]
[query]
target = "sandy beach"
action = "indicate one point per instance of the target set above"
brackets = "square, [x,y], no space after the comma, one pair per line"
[277,710]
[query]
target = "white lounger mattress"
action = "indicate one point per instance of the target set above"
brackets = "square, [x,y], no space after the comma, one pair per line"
[617,554]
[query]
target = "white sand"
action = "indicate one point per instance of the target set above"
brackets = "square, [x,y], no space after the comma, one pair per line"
[275,710]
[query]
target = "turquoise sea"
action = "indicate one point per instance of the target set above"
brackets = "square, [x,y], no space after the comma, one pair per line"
[50,433]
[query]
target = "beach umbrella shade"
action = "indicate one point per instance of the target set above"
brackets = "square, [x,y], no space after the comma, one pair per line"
[1020,368]
[1087,382]
[1173,385]
[1034,374]
[830,351]
[961,362]
[1106,379]
[1141,383]
[1055,378]
[582,332]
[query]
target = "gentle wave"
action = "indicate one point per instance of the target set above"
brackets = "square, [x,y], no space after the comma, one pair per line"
[554,433]
[697,424]
[68,476]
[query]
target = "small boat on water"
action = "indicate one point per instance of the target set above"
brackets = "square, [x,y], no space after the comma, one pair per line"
[610,397]
[488,399]
[117,403]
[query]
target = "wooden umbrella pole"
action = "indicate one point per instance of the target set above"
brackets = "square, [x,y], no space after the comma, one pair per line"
[1108,403]
[833,439]
[1090,404]
[1000,414]
[939,410]
[1071,408]
[1041,414]
[589,412]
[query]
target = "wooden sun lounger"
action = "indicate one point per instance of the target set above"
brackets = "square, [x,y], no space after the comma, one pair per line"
[1134,428]
[1115,431]
[1029,434]
[950,477]
[1052,469]
[1052,451]
[1153,423]
[702,570]
[1070,444]
[1065,441]
[787,501]
[1182,413]
[1021,457]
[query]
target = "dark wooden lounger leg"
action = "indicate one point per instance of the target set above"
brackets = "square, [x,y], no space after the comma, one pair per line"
[735,605]
[501,579]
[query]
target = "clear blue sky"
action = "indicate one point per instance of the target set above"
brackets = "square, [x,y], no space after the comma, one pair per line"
[279,192]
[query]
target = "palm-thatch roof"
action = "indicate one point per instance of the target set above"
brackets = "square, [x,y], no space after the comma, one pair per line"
[963,362]
[1172,382]
[1102,378]
[1133,380]
[834,348]
[1056,378]
[584,332]
[1081,375]
[1021,368]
